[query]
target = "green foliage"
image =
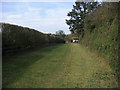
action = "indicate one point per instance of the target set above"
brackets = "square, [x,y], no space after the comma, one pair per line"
[101,32]
[78,14]
[60,34]
[16,38]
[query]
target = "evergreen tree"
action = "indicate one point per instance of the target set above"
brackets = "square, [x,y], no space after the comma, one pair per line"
[77,16]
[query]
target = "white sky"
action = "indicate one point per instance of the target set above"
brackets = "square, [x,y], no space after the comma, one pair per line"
[47,17]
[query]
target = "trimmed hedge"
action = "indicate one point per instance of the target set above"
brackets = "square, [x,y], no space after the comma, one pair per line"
[16,38]
[101,32]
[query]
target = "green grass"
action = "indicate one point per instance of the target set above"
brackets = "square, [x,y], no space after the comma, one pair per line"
[61,66]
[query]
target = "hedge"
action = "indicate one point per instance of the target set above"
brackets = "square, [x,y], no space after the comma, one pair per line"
[16,38]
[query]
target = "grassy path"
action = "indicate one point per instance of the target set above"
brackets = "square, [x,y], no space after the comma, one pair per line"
[62,66]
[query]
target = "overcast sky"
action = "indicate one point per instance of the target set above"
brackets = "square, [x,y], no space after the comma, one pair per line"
[47,17]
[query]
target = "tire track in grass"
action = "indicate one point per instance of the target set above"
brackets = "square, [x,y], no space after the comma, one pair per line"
[88,70]
[63,66]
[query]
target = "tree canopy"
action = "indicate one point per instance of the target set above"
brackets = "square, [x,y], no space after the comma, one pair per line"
[78,14]
[60,34]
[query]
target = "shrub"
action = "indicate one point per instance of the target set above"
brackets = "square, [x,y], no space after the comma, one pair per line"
[16,38]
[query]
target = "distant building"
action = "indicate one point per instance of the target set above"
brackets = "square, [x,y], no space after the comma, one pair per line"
[74,39]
